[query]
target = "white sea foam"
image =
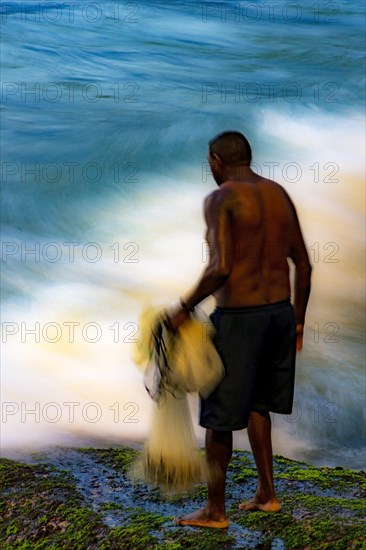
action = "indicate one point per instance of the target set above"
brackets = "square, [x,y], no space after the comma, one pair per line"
[164,223]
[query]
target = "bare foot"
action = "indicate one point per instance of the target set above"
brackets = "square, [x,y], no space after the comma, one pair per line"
[201,518]
[272,505]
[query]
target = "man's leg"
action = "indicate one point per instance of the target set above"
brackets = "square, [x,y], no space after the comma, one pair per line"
[219,447]
[218,453]
[259,432]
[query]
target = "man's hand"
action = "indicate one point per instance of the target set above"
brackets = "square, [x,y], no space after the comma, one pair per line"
[177,317]
[299,336]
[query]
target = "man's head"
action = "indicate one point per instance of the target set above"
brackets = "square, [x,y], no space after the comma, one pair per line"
[226,151]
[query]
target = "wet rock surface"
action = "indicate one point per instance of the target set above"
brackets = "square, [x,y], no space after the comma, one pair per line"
[83,498]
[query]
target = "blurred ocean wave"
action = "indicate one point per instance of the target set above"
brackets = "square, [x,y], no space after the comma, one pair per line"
[106,114]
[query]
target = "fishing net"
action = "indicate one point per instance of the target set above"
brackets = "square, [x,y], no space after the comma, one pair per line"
[174,365]
[185,362]
[170,458]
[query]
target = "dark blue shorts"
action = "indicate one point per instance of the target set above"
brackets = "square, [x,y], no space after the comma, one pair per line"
[257,345]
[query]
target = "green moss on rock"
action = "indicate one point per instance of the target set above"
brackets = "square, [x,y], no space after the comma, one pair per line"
[120,459]
[42,507]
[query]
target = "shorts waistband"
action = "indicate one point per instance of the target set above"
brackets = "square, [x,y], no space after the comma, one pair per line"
[253,309]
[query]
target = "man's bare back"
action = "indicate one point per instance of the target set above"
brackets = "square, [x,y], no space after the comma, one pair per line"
[252,229]
[261,224]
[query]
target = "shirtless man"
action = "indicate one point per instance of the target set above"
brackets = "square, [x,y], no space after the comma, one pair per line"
[252,229]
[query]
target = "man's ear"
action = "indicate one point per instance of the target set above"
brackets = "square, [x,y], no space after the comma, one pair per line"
[217,159]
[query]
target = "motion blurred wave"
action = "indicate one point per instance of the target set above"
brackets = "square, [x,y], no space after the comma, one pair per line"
[105,130]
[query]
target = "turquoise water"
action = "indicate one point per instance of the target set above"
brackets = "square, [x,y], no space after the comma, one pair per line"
[107,108]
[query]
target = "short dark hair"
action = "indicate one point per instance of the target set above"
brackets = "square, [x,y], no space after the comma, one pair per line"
[232,147]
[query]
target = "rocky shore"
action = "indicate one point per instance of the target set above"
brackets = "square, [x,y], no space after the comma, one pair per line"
[82,498]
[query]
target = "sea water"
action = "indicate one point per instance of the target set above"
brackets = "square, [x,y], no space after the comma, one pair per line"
[107,108]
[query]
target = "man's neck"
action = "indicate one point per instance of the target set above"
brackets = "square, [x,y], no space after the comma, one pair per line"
[241,172]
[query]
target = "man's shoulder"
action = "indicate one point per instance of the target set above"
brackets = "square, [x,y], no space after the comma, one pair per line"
[275,188]
[218,198]
[272,184]
[230,188]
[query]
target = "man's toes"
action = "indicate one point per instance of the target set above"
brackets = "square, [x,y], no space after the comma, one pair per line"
[248,505]
[177,520]
[266,507]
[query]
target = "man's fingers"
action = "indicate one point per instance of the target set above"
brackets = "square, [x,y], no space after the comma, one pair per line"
[299,342]
[174,320]
[299,337]
[167,322]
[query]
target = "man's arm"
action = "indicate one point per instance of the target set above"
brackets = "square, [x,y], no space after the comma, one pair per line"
[218,236]
[299,256]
